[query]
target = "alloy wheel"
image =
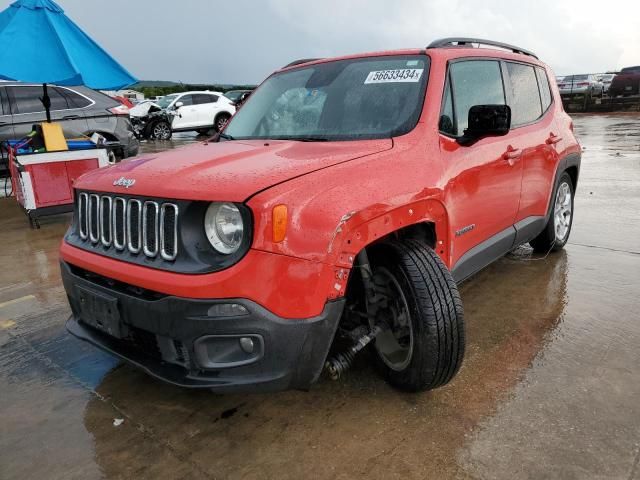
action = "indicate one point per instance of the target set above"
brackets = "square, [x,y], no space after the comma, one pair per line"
[562,212]
[161,131]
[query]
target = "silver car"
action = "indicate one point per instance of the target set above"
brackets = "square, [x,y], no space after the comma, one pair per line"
[586,84]
[79,110]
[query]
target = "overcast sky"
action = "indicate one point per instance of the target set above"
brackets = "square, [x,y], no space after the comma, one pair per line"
[242,42]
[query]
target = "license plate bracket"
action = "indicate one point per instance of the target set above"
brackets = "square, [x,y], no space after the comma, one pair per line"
[101,312]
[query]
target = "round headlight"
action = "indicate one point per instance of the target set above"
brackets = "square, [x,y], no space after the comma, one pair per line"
[224,227]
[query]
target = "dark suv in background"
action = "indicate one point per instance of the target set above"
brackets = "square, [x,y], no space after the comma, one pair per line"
[80,110]
[627,82]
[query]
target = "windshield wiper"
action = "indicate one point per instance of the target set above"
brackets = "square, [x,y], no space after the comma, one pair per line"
[226,136]
[305,139]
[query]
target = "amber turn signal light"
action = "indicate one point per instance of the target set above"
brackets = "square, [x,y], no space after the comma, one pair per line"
[279,216]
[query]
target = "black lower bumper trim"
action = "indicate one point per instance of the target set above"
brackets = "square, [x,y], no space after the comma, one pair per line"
[161,337]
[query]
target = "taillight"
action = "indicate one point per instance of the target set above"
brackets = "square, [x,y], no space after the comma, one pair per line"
[583,84]
[119,110]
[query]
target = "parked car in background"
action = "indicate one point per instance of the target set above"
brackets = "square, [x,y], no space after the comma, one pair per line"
[627,82]
[238,96]
[80,111]
[198,111]
[606,79]
[583,85]
[124,101]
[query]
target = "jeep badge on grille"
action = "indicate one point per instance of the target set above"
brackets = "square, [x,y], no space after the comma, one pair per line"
[124,182]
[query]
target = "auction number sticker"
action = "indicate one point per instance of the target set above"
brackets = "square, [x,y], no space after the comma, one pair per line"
[397,75]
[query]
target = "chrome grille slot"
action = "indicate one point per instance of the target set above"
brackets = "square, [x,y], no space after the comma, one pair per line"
[128,226]
[83,200]
[168,231]
[134,225]
[119,223]
[150,217]
[94,223]
[106,231]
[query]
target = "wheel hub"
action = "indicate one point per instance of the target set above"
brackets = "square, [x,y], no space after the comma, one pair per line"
[562,212]
[389,306]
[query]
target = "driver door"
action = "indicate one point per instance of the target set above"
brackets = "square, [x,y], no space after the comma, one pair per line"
[187,115]
[483,193]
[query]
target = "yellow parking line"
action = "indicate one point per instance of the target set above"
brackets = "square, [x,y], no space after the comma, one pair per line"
[4,324]
[16,300]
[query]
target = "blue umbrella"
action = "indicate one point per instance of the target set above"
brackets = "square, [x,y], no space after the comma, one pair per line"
[41,44]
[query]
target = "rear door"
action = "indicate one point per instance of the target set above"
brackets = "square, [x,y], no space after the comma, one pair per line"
[27,110]
[483,194]
[206,107]
[533,121]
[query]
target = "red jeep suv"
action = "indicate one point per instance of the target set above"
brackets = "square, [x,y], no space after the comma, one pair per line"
[339,208]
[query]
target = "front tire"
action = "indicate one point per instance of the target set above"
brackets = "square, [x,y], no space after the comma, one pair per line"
[160,130]
[556,233]
[419,301]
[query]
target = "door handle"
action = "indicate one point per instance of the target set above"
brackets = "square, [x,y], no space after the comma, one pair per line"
[511,155]
[553,139]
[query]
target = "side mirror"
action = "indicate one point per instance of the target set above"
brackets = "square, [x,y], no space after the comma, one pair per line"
[486,121]
[177,105]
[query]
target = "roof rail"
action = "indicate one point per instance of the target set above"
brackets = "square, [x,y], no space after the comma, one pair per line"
[463,41]
[301,61]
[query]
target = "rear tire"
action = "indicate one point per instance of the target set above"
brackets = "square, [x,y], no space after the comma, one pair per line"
[556,233]
[424,346]
[221,121]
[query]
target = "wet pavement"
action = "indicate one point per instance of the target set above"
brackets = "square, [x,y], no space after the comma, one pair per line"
[550,386]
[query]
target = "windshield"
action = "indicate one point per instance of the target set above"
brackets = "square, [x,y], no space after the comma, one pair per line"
[363,98]
[166,100]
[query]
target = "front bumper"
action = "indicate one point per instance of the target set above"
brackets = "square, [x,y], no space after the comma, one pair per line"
[177,340]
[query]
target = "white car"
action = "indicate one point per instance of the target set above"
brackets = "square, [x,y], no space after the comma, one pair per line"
[586,85]
[200,111]
[606,80]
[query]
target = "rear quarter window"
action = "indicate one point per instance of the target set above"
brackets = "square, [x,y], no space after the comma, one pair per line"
[545,90]
[74,99]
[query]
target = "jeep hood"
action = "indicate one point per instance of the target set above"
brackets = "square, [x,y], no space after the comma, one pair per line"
[226,171]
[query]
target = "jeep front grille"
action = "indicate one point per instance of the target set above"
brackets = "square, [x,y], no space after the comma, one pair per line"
[150,227]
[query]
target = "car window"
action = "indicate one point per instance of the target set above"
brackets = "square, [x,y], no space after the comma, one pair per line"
[525,97]
[545,91]
[202,98]
[4,107]
[27,99]
[186,100]
[446,123]
[474,82]
[74,99]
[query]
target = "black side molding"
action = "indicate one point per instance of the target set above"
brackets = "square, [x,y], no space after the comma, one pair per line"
[483,254]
